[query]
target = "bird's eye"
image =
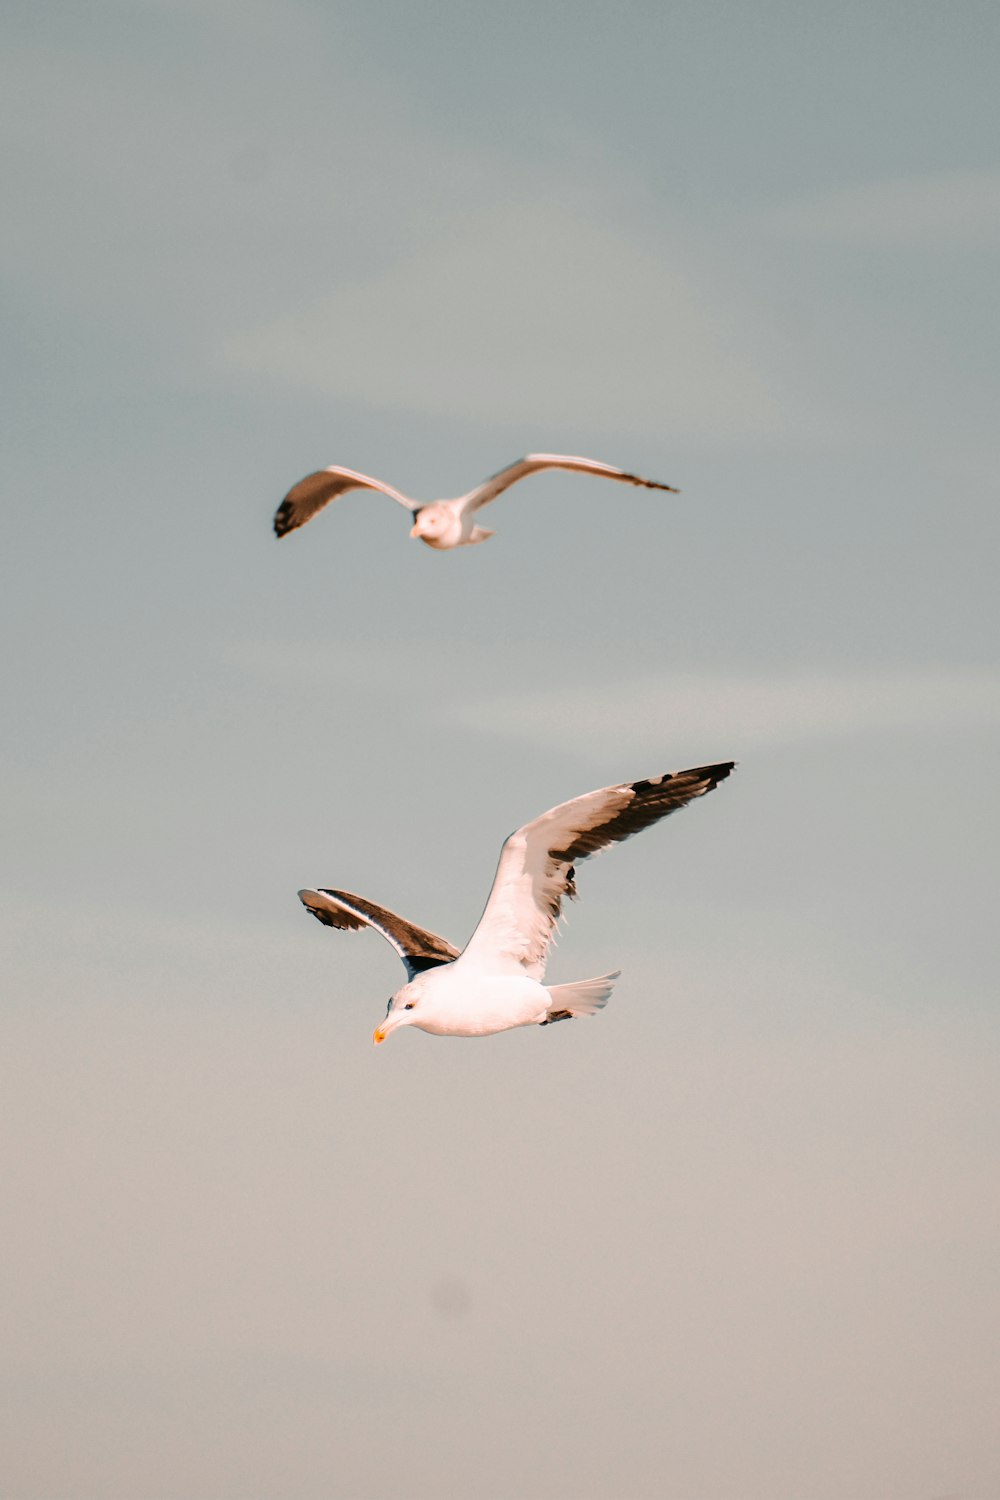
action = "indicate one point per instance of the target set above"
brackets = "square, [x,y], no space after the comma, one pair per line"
[409,1005]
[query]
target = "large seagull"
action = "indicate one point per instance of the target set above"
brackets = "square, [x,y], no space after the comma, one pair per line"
[496,983]
[442,524]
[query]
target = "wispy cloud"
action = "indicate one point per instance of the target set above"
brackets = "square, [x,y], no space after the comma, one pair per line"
[244,164]
[739,711]
[531,313]
[945,210]
[608,712]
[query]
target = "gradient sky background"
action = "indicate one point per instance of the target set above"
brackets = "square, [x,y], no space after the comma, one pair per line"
[740,1235]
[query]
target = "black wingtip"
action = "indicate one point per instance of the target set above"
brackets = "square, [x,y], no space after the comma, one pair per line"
[695,774]
[720,771]
[314,911]
[712,774]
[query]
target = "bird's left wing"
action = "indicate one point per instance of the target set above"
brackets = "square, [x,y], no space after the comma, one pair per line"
[537,863]
[533,463]
[418,948]
[311,494]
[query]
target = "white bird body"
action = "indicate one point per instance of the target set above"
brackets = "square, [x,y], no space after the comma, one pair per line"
[441,524]
[463,999]
[444,525]
[497,983]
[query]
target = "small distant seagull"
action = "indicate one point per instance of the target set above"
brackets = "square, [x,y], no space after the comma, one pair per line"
[442,523]
[496,984]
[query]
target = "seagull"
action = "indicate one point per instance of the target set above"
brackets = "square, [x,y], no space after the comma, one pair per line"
[497,984]
[442,524]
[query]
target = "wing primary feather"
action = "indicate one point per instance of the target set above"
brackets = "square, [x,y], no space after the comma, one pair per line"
[537,866]
[535,463]
[651,800]
[307,498]
[418,948]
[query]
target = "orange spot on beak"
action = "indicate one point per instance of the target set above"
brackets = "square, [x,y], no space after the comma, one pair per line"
[378,1035]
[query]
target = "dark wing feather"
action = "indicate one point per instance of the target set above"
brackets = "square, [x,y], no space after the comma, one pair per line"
[537,863]
[651,800]
[311,494]
[418,948]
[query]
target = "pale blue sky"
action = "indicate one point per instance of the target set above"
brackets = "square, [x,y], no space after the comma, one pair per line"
[738,1236]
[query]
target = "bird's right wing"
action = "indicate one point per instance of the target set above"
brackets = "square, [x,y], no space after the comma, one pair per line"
[537,863]
[418,948]
[316,490]
[534,463]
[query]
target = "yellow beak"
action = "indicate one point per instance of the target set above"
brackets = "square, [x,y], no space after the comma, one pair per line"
[378,1035]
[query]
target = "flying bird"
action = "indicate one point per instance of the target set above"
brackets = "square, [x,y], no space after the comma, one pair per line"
[497,982]
[442,524]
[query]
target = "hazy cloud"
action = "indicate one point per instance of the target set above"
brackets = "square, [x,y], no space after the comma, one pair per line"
[944,210]
[529,313]
[741,710]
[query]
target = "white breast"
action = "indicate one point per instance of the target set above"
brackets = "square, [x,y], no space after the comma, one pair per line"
[457,1002]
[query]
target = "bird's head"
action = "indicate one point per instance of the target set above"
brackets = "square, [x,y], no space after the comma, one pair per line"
[437,525]
[403,1010]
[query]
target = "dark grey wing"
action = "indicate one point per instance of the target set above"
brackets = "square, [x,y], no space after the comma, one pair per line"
[311,494]
[534,463]
[650,801]
[537,863]
[418,948]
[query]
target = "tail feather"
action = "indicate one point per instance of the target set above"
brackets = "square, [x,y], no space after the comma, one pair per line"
[585,997]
